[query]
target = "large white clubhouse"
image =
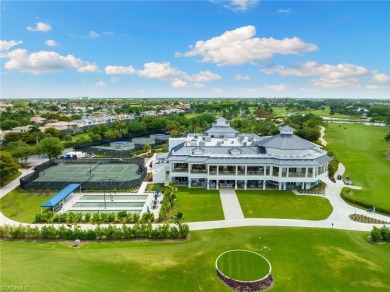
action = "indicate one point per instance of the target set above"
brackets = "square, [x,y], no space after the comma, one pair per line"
[222,157]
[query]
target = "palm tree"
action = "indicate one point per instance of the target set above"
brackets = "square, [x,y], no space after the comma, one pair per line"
[120,125]
[34,129]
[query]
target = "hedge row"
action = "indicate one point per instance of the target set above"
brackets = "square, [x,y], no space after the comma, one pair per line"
[344,194]
[94,218]
[111,232]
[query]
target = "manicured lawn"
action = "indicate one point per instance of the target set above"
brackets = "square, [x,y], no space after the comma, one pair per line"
[302,259]
[362,150]
[199,205]
[243,265]
[21,206]
[283,204]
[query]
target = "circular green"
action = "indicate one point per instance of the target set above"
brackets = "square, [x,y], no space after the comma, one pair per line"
[243,265]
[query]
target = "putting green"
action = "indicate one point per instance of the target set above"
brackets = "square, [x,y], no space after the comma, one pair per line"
[243,265]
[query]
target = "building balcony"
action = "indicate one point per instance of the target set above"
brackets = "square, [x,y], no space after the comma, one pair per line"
[212,172]
[228,172]
[296,174]
[253,172]
[275,173]
[198,170]
[180,169]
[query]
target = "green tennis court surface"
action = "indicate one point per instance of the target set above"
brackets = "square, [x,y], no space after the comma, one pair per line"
[90,172]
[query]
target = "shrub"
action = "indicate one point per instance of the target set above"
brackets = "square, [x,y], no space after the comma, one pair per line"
[87,217]
[147,217]
[40,218]
[375,234]
[135,217]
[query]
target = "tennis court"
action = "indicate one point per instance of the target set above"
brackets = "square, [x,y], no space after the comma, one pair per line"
[96,175]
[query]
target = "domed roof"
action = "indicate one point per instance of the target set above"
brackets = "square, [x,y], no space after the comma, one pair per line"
[286,140]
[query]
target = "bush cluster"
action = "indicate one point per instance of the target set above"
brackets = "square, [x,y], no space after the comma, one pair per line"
[111,232]
[346,196]
[378,234]
[260,285]
[94,218]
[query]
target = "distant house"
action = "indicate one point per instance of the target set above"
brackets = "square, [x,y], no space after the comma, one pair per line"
[38,120]
[21,129]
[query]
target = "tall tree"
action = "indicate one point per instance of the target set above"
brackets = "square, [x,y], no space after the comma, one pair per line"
[20,150]
[8,166]
[52,147]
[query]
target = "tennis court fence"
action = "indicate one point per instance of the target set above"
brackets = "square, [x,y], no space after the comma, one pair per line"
[28,182]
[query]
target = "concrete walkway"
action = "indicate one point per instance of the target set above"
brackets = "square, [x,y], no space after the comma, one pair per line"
[230,204]
[15,183]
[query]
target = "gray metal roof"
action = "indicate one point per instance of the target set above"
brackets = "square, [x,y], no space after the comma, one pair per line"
[221,129]
[287,142]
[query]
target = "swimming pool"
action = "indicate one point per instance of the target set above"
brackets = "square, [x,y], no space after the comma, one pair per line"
[108,204]
[115,197]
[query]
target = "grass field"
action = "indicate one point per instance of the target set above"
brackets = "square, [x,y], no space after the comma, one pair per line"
[302,259]
[283,204]
[199,204]
[243,265]
[21,206]
[362,150]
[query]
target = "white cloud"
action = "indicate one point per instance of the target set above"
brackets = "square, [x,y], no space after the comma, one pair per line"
[40,26]
[88,68]
[115,79]
[312,68]
[242,77]
[381,78]
[284,10]
[164,71]
[240,5]
[276,87]
[114,70]
[100,84]
[6,45]
[45,61]
[239,46]
[205,76]
[93,35]
[108,33]
[335,82]
[375,87]
[51,43]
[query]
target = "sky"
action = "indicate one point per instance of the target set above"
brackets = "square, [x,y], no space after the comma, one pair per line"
[236,48]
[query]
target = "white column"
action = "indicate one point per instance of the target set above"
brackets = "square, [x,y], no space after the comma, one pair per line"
[288,172]
[217,184]
[280,172]
[279,186]
[245,182]
[264,182]
[306,171]
[235,185]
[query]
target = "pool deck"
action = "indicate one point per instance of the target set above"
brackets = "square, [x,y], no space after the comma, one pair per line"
[76,198]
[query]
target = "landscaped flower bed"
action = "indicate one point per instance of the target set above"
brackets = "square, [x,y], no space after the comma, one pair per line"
[244,270]
[365,219]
